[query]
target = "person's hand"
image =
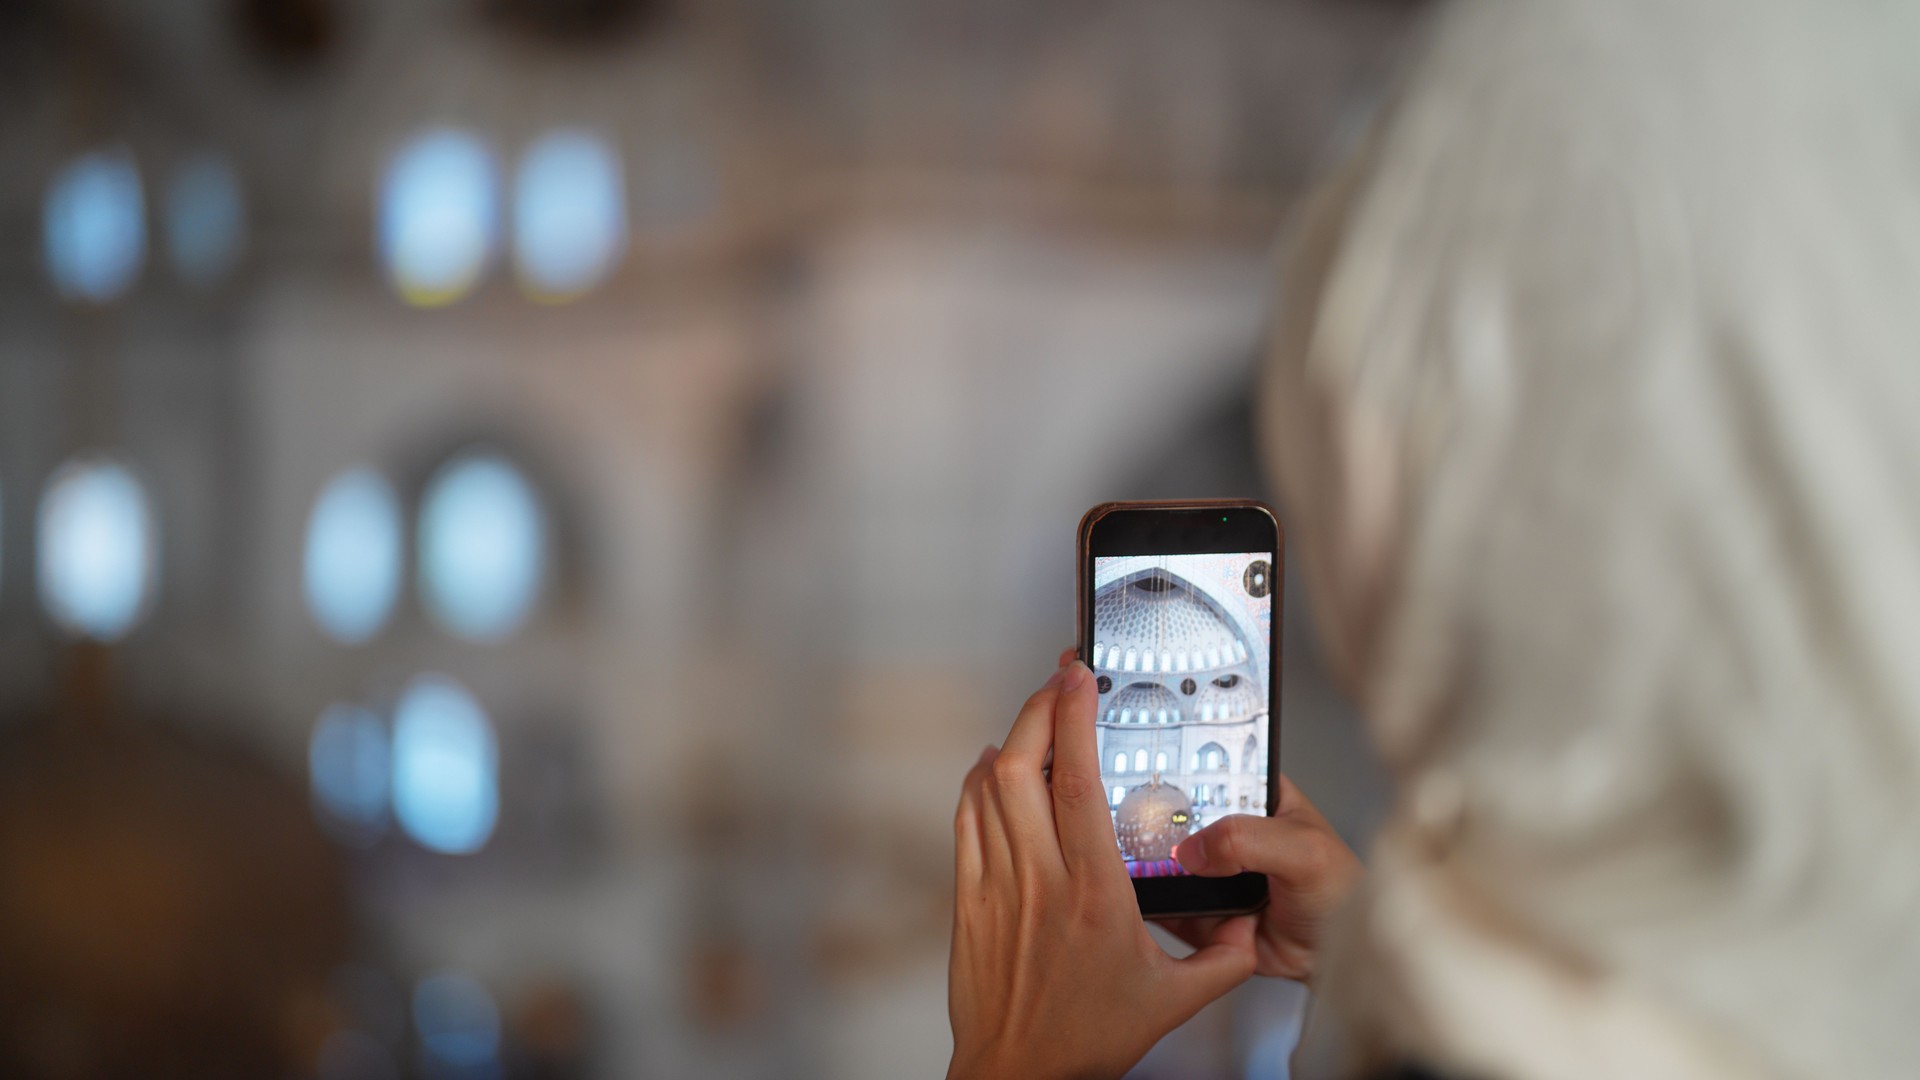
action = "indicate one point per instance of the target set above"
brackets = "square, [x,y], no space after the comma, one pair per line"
[1310,872]
[1053,973]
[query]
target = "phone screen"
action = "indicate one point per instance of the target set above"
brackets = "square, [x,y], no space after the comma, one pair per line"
[1182,656]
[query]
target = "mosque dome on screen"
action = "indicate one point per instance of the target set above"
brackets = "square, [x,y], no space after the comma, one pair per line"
[1151,819]
[1145,703]
[1227,698]
[1156,623]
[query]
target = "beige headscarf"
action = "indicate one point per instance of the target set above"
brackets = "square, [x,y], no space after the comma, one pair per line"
[1596,404]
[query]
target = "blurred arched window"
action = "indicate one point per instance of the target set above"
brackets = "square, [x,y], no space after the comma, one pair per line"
[569,215]
[445,766]
[482,546]
[458,1024]
[1117,794]
[347,766]
[439,216]
[95,227]
[1120,762]
[96,548]
[206,219]
[1140,760]
[1160,761]
[353,557]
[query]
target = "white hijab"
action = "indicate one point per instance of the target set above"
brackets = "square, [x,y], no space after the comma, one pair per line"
[1596,402]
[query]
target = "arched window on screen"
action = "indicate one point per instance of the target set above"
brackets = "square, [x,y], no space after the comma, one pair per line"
[1160,761]
[1140,760]
[1120,762]
[1117,794]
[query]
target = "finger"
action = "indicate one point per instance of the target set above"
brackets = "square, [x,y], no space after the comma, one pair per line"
[1020,785]
[1067,655]
[1292,852]
[996,847]
[1224,962]
[1032,733]
[969,858]
[1079,802]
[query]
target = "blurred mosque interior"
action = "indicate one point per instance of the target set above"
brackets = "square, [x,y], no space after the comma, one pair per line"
[516,514]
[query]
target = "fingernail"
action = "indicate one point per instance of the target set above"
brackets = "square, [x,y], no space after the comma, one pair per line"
[1056,677]
[1191,854]
[1073,676]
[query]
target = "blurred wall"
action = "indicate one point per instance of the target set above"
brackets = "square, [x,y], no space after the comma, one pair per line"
[902,289]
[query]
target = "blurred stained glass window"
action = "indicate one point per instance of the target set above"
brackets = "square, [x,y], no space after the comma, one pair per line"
[569,215]
[482,547]
[95,226]
[445,766]
[457,1020]
[439,216]
[96,548]
[353,557]
[206,219]
[348,767]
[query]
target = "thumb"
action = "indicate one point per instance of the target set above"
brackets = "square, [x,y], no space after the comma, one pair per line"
[1226,961]
[1239,843]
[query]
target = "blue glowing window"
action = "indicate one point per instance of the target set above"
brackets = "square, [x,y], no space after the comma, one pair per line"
[347,766]
[457,1020]
[483,547]
[96,549]
[569,214]
[445,766]
[95,227]
[439,217]
[206,219]
[353,560]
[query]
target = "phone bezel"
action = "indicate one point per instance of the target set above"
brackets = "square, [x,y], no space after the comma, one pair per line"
[1178,527]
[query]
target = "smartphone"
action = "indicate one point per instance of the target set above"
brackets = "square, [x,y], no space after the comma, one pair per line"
[1177,603]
